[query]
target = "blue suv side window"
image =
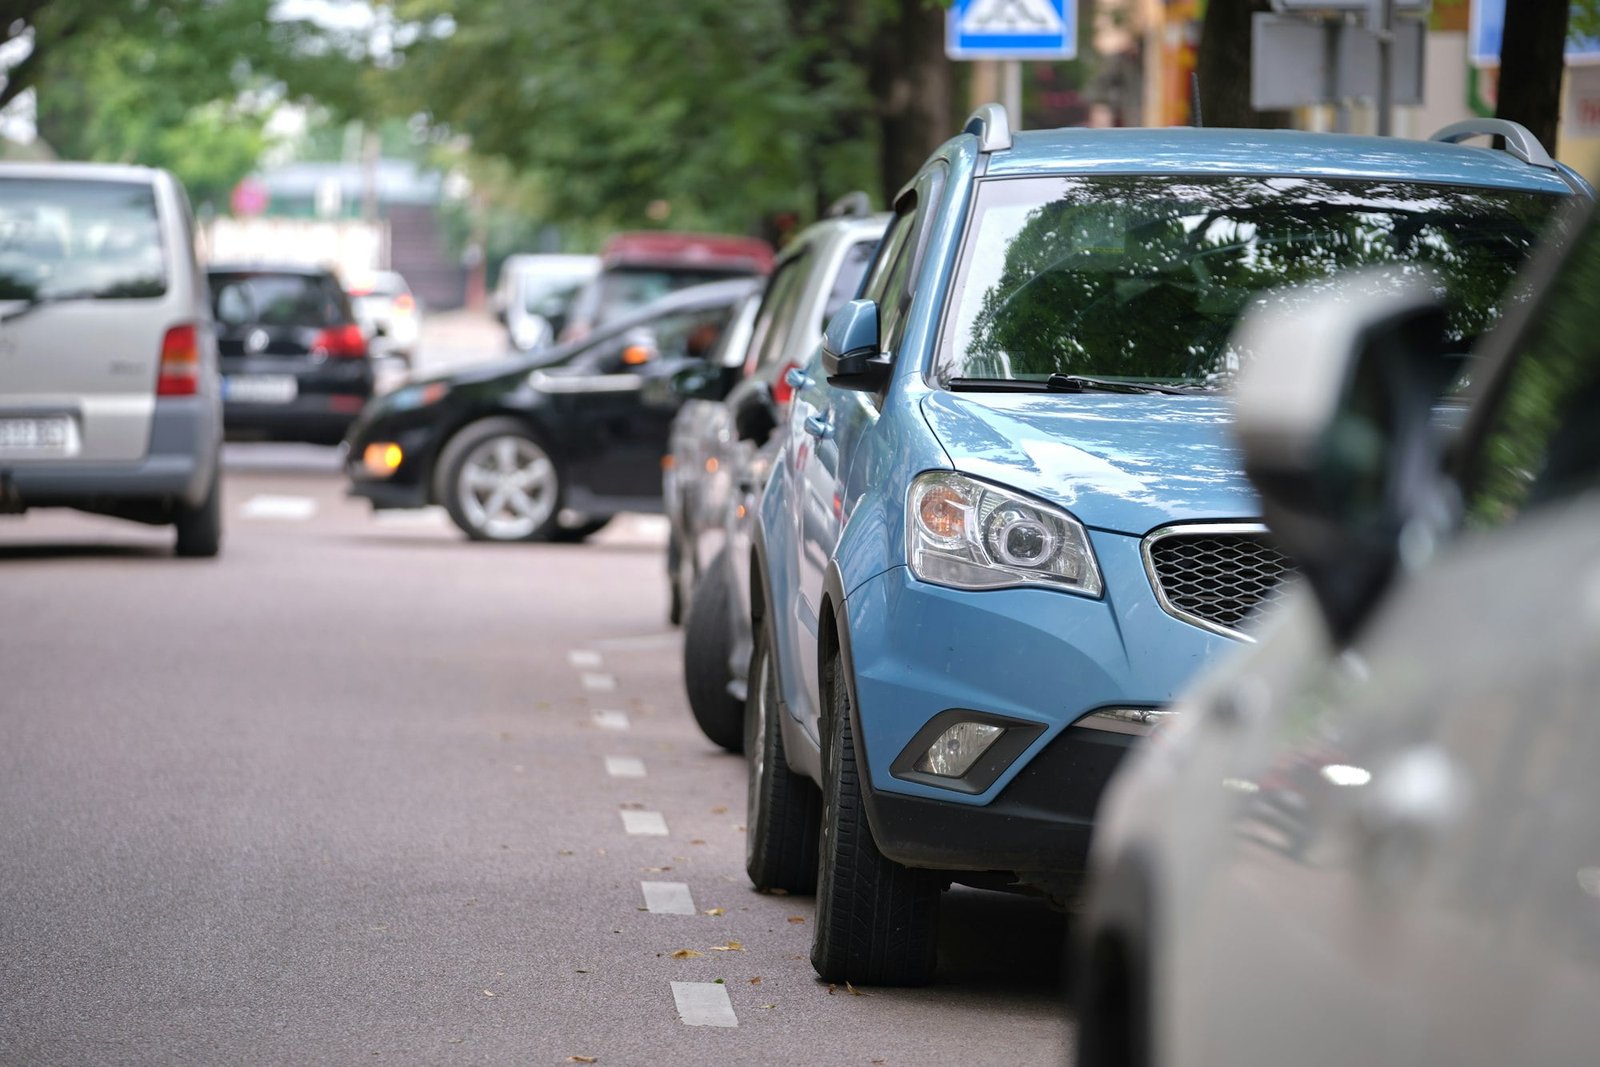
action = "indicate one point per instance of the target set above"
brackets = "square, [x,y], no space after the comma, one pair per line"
[894,273]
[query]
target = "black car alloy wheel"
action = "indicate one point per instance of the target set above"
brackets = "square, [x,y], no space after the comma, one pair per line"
[499,483]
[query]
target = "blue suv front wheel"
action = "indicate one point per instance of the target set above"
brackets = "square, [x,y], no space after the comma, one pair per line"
[877,921]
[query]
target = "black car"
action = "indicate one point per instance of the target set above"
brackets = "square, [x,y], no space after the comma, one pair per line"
[546,446]
[294,359]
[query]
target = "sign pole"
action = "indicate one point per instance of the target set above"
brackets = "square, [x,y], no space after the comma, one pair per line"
[1383,12]
[1011,79]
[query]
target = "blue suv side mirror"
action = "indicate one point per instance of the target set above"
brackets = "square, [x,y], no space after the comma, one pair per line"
[852,354]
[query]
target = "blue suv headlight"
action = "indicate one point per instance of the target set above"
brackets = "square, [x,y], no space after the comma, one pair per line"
[973,535]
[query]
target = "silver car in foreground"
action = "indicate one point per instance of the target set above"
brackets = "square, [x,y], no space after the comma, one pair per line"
[1374,838]
[109,398]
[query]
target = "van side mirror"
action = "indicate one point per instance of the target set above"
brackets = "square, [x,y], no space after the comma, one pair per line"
[1334,414]
[852,354]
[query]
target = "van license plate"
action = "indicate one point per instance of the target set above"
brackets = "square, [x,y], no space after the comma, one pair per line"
[260,388]
[46,434]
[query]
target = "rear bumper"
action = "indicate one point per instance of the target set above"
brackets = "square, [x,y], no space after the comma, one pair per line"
[185,435]
[315,418]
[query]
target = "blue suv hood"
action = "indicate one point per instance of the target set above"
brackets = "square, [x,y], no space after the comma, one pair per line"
[1121,463]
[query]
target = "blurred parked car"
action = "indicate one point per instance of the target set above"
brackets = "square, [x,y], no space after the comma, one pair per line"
[1372,837]
[637,268]
[388,312]
[547,446]
[295,362]
[108,367]
[720,453]
[1007,525]
[535,293]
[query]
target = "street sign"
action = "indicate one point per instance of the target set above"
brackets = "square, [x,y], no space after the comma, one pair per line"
[1012,29]
[1486,26]
[1296,62]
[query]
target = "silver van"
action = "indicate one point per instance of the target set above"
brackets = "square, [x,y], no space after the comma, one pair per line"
[109,389]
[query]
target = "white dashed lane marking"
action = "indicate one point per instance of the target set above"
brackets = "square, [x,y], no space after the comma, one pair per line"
[667,898]
[611,720]
[291,508]
[703,1004]
[584,659]
[624,767]
[647,823]
[599,683]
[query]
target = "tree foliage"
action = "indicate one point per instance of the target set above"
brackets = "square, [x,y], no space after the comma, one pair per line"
[723,112]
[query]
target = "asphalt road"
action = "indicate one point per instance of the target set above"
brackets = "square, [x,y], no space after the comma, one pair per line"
[360,791]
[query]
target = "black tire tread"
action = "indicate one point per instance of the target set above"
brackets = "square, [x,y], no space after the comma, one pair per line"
[783,852]
[200,528]
[877,921]
[707,643]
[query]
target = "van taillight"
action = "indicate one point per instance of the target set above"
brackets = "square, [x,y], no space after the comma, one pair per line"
[344,342]
[180,363]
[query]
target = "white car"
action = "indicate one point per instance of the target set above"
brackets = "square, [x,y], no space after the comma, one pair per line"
[388,313]
[1374,836]
[110,397]
[534,294]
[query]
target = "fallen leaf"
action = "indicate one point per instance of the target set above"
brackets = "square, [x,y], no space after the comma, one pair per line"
[565,852]
[766,1006]
[581,1059]
[797,918]
[880,1061]
[756,980]
[655,870]
[686,954]
[854,992]
[831,989]
[583,970]
[718,981]
[731,946]
[739,829]
[487,993]
[632,805]
[716,911]
[698,841]
[720,809]
[774,891]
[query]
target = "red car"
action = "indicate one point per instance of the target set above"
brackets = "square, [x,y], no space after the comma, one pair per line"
[636,268]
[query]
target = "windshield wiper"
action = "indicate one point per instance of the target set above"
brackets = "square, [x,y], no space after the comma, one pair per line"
[1068,383]
[33,303]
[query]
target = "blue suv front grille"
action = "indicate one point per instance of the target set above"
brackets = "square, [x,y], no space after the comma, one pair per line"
[1215,576]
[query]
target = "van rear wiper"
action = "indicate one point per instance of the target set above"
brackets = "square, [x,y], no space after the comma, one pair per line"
[1068,383]
[33,303]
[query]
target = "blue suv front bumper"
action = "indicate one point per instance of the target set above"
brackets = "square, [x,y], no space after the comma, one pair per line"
[1039,658]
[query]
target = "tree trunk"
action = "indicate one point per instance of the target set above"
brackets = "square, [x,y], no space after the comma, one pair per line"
[1223,67]
[1531,65]
[913,84]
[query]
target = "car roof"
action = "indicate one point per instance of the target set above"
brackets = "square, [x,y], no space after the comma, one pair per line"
[267,268]
[845,228]
[674,249]
[1189,150]
[82,172]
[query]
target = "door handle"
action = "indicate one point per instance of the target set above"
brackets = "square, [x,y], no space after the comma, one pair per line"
[818,426]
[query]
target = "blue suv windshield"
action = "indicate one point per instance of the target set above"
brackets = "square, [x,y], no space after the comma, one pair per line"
[1141,278]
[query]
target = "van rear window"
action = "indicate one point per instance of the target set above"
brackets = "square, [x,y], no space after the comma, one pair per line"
[79,240]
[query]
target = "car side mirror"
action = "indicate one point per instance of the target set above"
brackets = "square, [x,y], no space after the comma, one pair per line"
[1334,415]
[852,354]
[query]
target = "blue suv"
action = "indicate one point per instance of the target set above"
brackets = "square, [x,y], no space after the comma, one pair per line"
[1007,524]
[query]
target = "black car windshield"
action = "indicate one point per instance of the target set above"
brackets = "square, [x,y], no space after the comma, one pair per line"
[1141,278]
[265,299]
[65,239]
[626,289]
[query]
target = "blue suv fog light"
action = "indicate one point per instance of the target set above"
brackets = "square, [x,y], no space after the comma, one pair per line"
[958,748]
[964,750]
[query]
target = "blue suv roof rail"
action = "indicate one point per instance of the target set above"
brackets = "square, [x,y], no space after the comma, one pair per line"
[1520,140]
[992,126]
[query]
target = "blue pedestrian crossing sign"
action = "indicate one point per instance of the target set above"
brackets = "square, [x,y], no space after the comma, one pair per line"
[1012,29]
